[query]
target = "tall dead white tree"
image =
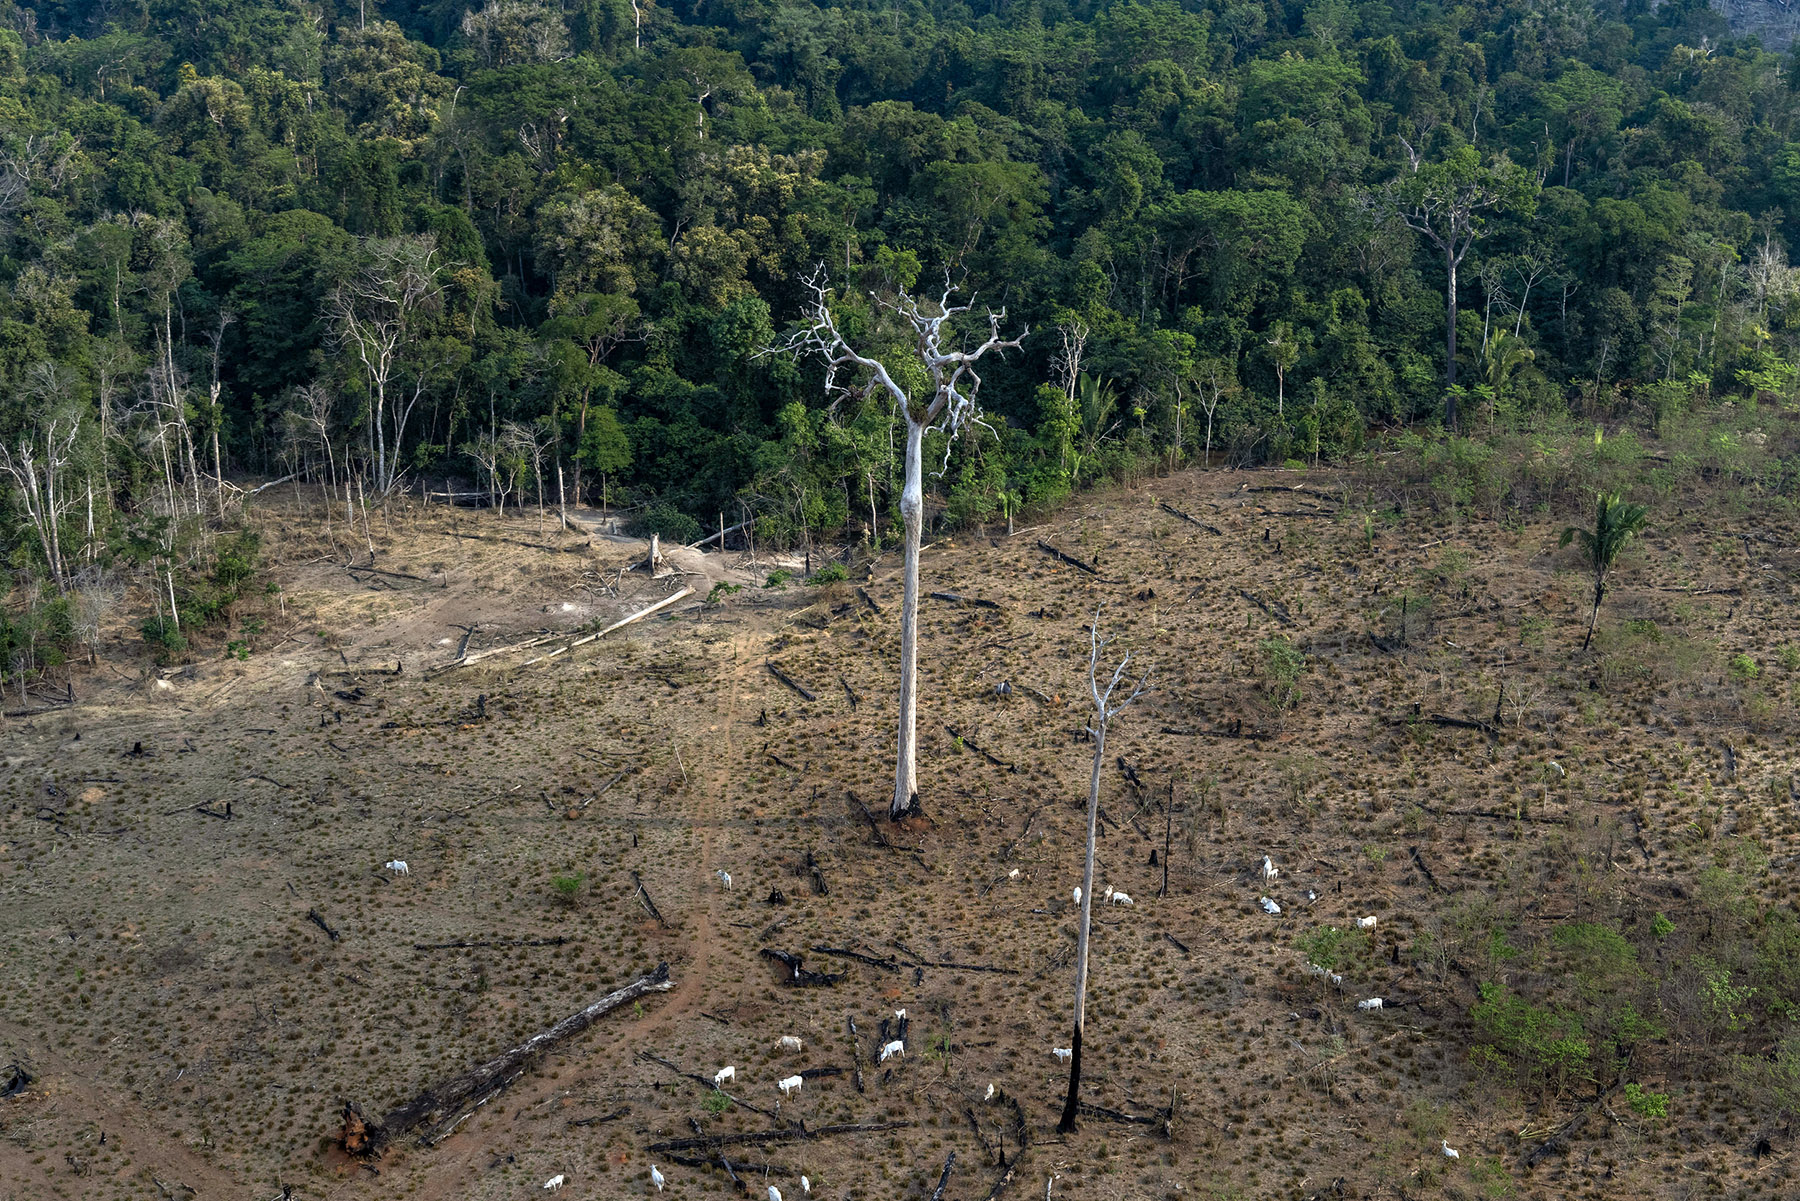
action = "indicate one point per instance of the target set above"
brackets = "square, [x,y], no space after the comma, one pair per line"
[950,407]
[376,314]
[1105,709]
[37,466]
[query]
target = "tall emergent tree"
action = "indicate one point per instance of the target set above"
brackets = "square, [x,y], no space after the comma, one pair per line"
[1615,522]
[1448,202]
[951,406]
[1104,711]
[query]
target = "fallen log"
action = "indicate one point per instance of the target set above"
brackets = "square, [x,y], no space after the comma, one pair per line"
[988,755]
[1005,1177]
[766,1138]
[1275,609]
[447,1103]
[716,535]
[790,682]
[848,691]
[478,656]
[664,603]
[863,594]
[1425,871]
[842,953]
[312,915]
[855,1055]
[1114,1115]
[615,1115]
[1299,488]
[755,1169]
[709,1083]
[797,975]
[558,941]
[937,1194]
[1071,560]
[957,598]
[1211,529]
[643,895]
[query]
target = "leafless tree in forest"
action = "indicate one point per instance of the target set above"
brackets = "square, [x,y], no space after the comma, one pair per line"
[953,384]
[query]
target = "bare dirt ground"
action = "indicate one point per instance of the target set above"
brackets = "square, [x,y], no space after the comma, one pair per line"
[192,1030]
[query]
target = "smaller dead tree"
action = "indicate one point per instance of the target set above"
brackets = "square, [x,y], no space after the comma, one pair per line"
[1105,709]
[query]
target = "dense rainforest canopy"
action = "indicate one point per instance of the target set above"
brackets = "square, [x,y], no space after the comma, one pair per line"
[537,245]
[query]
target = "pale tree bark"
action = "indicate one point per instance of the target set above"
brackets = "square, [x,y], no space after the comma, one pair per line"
[216,410]
[37,469]
[1105,709]
[951,407]
[376,315]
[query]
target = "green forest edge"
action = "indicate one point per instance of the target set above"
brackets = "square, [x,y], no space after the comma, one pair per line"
[538,248]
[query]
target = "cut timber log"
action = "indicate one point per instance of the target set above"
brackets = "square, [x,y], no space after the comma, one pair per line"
[863,594]
[988,755]
[937,1194]
[499,942]
[478,656]
[1211,529]
[643,896]
[716,535]
[1071,560]
[664,603]
[1277,610]
[957,598]
[798,976]
[444,1104]
[790,682]
[765,1138]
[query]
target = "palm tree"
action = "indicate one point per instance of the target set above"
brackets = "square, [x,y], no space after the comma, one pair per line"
[1505,354]
[1615,521]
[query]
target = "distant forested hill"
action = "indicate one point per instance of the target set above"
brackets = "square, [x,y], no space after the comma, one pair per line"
[409,240]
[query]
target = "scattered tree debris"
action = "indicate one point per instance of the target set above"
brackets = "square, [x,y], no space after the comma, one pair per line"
[985,754]
[643,895]
[1189,517]
[797,975]
[558,941]
[448,1103]
[766,1138]
[1071,560]
[790,682]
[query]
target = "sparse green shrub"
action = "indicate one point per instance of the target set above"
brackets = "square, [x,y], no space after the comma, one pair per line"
[1644,1103]
[164,638]
[1282,663]
[778,578]
[1324,946]
[720,591]
[831,573]
[1744,668]
[568,887]
[715,1103]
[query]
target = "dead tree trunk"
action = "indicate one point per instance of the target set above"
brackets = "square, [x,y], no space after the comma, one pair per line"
[1104,711]
[443,1102]
[950,407]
